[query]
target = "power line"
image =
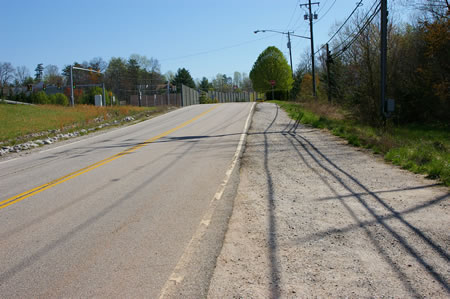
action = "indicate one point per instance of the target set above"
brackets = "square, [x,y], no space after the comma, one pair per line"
[293,14]
[342,26]
[365,25]
[326,11]
[323,6]
[217,50]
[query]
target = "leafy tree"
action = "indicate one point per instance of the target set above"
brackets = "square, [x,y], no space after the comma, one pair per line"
[28,80]
[116,75]
[222,83]
[296,86]
[271,65]
[89,96]
[183,77]
[133,70]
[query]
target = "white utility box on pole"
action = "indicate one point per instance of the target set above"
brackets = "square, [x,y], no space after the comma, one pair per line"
[98,100]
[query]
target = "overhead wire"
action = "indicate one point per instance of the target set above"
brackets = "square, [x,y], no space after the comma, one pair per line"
[354,38]
[343,24]
[292,16]
[323,6]
[326,12]
[218,49]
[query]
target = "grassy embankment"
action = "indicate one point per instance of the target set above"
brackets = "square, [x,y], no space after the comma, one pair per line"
[419,148]
[18,122]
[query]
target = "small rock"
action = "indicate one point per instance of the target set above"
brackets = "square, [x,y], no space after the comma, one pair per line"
[47,141]
[39,141]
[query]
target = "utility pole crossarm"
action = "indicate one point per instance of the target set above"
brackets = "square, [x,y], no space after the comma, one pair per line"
[311,17]
[309,4]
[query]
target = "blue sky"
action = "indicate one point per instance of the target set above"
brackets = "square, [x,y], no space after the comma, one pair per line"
[206,37]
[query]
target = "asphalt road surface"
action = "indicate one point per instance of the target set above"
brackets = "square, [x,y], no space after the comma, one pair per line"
[111,215]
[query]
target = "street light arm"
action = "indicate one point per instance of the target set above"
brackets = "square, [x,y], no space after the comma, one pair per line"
[269,31]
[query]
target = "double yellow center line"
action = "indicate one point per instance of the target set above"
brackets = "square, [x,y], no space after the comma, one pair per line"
[31,192]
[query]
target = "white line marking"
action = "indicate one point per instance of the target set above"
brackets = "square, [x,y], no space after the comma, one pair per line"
[177,276]
[8,160]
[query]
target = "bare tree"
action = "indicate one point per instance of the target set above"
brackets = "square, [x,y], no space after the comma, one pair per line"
[22,74]
[51,70]
[437,9]
[151,65]
[52,75]
[6,73]
[98,63]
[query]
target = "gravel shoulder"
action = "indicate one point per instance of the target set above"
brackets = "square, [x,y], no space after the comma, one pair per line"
[315,217]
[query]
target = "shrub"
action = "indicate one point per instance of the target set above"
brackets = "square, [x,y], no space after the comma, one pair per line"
[40,98]
[61,99]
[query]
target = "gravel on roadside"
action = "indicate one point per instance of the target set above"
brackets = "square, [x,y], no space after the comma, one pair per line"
[315,217]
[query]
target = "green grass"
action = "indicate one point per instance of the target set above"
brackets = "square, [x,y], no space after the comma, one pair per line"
[19,121]
[421,149]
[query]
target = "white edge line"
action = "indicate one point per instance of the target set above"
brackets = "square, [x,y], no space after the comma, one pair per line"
[100,134]
[177,277]
[6,161]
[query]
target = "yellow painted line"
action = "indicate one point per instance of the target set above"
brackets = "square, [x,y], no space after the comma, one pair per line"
[34,191]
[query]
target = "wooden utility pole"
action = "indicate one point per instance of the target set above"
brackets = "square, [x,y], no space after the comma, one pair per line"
[383,63]
[311,17]
[328,61]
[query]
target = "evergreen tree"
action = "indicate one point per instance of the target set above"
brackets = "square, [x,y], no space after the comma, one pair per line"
[183,77]
[39,72]
[204,84]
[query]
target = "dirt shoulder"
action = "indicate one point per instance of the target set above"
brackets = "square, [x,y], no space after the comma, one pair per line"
[314,217]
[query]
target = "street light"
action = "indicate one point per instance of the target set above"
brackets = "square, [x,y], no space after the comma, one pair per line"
[289,34]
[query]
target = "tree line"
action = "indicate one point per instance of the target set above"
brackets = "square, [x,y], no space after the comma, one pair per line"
[418,77]
[122,77]
[418,66]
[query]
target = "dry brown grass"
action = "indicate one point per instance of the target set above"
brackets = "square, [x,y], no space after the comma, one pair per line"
[19,121]
[325,109]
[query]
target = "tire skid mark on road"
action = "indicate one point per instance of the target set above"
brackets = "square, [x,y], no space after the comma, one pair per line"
[12,200]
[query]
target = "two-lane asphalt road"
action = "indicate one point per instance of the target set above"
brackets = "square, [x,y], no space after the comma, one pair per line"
[111,215]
